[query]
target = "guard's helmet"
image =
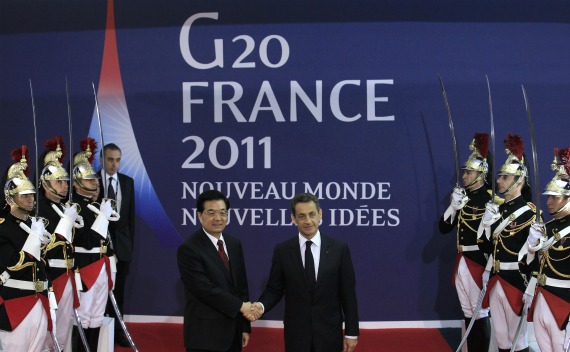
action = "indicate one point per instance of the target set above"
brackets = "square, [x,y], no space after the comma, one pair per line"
[82,169]
[515,163]
[52,161]
[560,184]
[17,181]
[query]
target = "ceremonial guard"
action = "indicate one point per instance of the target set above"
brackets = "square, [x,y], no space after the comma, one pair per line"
[92,251]
[58,253]
[24,308]
[550,310]
[508,224]
[465,213]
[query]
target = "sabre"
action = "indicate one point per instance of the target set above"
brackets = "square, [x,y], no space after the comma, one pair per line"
[493,181]
[519,329]
[452,130]
[534,155]
[36,145]
[53,337]
[111,295]
[70,141]
[75,314]
[474,317]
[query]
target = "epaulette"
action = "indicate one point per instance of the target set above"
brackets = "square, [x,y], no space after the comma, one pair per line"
[2,220]
[498,200]
[532,206]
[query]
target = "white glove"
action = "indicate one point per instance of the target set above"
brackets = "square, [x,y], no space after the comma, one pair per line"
[527,301]
[486,275]
[65,225]
[458,201]
[36,237]
[536,232]
[491,214]
[458,198]
[101,223]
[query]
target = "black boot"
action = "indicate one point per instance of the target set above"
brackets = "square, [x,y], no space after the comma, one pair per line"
[94,339]
[504,350]
[523,350]
[480,336]
[80,346]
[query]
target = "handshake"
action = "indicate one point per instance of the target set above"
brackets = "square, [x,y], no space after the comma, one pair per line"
[251,311]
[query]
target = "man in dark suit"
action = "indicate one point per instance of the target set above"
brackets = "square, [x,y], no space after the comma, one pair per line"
[212,267]
[119,187]
[316,275]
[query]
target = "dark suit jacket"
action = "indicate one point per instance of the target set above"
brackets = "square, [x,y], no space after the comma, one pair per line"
[123,231]
[213,295]
[316,317]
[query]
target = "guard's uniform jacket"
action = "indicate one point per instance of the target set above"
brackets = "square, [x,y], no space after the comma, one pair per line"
[58,253]
[91,249]
[518,215]
[554,274]
[467,223]
[23,279]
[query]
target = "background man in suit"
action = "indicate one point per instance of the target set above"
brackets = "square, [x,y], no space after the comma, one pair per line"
[316,275]
[120,187]
[212,268]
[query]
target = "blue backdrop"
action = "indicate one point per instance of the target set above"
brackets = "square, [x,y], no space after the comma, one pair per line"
[266,99]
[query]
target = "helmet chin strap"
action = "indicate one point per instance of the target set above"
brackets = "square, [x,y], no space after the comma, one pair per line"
[477,179]
[519,180]
[84,187]
[563,208]
[53,191]
[11,200]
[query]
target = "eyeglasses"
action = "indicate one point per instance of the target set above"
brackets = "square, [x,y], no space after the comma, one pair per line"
[212,213]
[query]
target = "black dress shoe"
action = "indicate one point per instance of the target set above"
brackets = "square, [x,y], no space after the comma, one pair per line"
[121,339]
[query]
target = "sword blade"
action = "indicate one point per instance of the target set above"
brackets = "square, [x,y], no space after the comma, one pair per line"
[80,329]
[452,131]
[36,145]
[473,318]
[534,155]
[121,321]
[70,142]
[519,329]
[493,180]
[101,135]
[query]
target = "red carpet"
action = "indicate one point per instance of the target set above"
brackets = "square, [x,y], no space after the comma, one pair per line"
[154,337]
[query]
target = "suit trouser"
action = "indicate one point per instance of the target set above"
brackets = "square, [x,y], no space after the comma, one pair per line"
[235,347]
[119,291]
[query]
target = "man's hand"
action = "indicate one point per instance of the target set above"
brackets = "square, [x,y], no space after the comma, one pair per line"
[249,312]
[527,301]
[244,339]
[458,198]
[535,233]
[491,214]
[349,345]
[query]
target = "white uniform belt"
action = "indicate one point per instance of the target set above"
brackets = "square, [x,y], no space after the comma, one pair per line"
[37,286]
[544,280]
[4,277]
[498,266]
[61,263]
[462,248]
[94,250]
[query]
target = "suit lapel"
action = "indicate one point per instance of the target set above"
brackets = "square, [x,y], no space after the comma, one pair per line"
[295,250]
[211,251]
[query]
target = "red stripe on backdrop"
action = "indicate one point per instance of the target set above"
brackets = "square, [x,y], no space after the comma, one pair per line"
[167,337]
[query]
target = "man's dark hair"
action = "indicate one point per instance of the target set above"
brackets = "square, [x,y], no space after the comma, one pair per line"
[304,198]
[210,195]
[110,146]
